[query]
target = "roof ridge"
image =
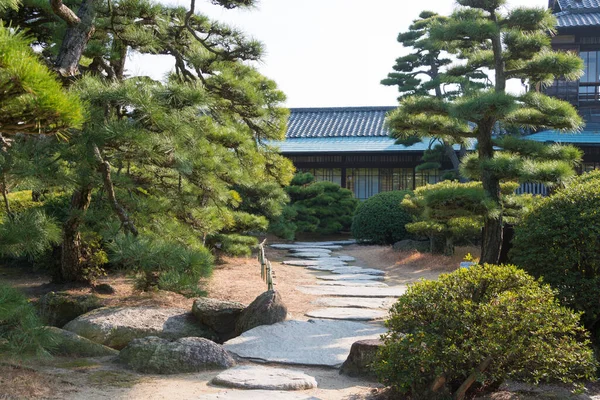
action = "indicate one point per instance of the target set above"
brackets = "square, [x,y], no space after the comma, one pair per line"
[333,109]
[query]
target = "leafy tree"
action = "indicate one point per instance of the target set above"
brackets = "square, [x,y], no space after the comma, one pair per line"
[320,207]
[470,330]
[171,165]
[559,240]
[514,45]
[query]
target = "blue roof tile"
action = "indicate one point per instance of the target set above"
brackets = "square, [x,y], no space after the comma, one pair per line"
[589,136]
[337,122]
[578,4]
[578,13]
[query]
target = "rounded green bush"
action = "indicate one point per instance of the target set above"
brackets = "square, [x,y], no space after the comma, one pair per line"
[473,328]
[559,240]
[381,220]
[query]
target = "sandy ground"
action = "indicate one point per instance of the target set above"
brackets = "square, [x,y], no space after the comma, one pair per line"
[237,279]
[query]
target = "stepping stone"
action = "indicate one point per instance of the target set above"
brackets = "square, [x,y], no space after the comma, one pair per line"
[266,378]
[314,263]
[313,342]
[351,291]
[313,255]
[341,258]
[329,243]
[310,249]
[353,283]
[349,314]
[256,394]
[301,247]
[350,277]
[355,302]
[346,270]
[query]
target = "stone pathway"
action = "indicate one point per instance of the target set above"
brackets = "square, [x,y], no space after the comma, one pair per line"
[347,294]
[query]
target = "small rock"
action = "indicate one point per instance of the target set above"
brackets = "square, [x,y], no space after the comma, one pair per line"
[160,356]
[266,378]
[362,354]
[221,316]
[70,344]
[117,326]
[104,288]
[266,309]
[58,308]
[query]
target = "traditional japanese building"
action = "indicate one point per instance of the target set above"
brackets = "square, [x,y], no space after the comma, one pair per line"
[351,146]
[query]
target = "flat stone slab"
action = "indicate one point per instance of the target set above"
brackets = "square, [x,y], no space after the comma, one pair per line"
[267,378]
[339,258]
[353,283]
[313,342]
[347,313]
[315,263]
[356,302]
[346,270]
[256,394]
[328,243]
[312,255]
[311,250]
[303,247]
[350,277]
[352,291]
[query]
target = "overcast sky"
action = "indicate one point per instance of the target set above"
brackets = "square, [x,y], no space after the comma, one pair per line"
[324,53]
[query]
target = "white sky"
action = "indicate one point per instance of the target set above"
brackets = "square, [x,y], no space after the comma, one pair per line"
[324,53]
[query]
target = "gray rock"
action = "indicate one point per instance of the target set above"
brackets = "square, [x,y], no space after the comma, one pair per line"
[302,248]
[117,326]
[348,314]
[353,283]
[219,315]
[266,309]
[467,264]
[328,243]
[353,291]
[256,395]
[362,355]
[58,308]
[356,302]
[350,277]
[160,356]
[341,258]
[71,344]
[267,378]
[313,342]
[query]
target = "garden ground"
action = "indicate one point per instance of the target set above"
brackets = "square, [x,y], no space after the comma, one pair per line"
[235,279]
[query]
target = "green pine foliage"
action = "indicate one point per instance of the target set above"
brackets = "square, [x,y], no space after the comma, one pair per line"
[472,329]
[558,240]
[28,234]
[380,219]
[21,331]
[316,207]
[512,44]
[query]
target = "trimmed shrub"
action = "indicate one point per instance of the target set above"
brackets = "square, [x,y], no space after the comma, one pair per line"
[559,240]
[381,220]
[474,328]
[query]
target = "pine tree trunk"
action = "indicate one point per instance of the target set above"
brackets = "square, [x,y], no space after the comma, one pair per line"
[70,260]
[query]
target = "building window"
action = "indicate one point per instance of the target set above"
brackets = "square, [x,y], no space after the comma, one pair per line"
[363,182]
[395,179]
[590,81]
[428,176]
[326,174]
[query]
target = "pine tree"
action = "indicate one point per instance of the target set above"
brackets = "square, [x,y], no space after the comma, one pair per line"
[515,45]
[158,163]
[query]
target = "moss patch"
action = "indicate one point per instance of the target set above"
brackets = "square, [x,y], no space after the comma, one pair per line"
[113,378]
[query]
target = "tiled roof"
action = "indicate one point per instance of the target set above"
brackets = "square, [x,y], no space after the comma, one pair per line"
[337,122]
[347,145]
[578,13]
[591,135]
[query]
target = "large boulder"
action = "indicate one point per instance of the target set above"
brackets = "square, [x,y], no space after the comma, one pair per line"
[362,355]
[219,315]
[117,326]
[58,308]
[160,356]
[266,309]
[71,344]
